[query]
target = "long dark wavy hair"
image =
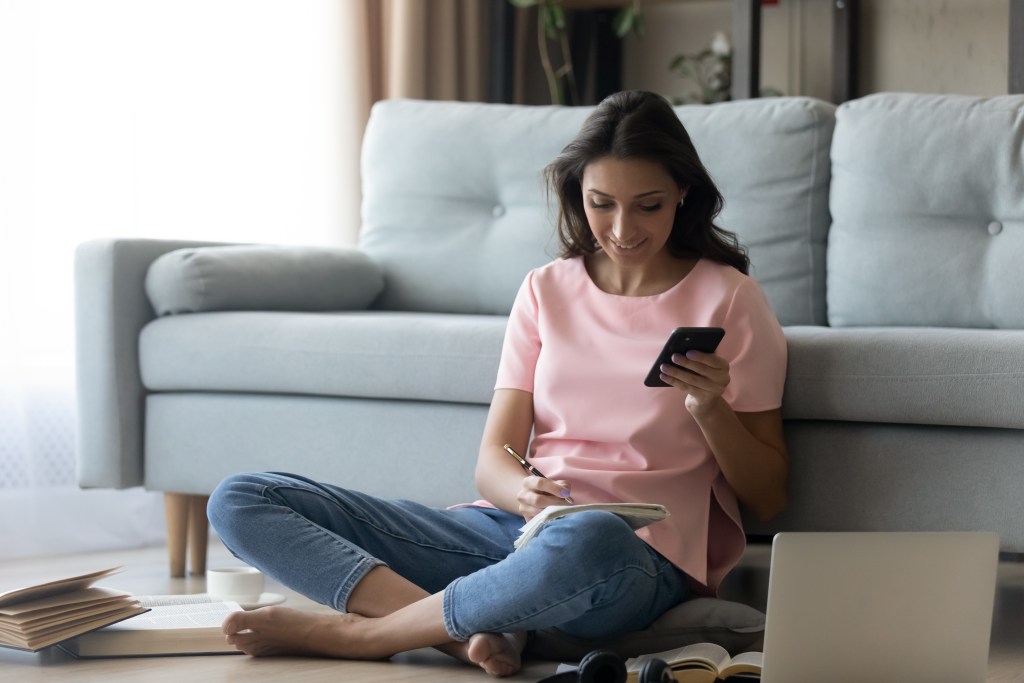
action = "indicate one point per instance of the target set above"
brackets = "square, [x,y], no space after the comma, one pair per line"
[636,124]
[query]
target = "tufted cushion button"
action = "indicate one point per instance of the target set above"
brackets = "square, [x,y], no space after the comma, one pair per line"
[498,211]
[995,227]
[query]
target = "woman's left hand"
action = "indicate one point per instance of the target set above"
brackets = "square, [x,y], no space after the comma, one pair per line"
[703,377]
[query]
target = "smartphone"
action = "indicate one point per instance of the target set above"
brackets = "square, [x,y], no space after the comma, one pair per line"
[681,340]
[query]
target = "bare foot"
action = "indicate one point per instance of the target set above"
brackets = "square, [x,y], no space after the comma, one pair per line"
[498,654]
[282,631]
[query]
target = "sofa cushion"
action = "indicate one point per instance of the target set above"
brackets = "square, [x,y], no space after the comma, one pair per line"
[411,356]
[776,192]
[454,205]
[936,376]
[927,208]
[262,278]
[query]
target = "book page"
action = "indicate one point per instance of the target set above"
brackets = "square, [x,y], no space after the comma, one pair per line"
[65,601]
[715,655]
[708,656]
[182,599]
[35,621]
[745,663]
[64,585]
[165,617]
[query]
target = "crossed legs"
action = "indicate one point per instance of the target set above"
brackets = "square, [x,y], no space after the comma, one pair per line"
[324,542]
[451,582]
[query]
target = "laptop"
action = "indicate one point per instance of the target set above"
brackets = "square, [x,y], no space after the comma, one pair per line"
[862,607]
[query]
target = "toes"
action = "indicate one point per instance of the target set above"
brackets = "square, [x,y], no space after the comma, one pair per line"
[495,653]
[236,622]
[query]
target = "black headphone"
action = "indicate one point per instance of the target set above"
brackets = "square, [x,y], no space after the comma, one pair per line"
[602,666]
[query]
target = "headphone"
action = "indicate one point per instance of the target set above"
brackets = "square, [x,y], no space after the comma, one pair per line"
[602,666]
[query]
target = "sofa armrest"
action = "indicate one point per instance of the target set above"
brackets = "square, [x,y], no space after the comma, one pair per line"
[111,309]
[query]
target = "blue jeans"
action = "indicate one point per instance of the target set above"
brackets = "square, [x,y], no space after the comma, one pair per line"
[587,574]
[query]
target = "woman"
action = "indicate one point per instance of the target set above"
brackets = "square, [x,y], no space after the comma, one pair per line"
[641,256]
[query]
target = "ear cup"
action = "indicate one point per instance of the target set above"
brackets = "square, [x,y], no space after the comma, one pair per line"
[601,666]
[656,671]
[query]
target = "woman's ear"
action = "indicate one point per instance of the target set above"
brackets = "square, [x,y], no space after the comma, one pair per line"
[682,195]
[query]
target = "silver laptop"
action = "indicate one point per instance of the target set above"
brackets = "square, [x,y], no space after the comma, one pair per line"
[863,607]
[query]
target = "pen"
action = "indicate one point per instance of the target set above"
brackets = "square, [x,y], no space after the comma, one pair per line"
[531,469]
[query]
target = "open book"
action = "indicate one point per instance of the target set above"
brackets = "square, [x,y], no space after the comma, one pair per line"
[38,616]
[701,663]
[174,625]
[636,514]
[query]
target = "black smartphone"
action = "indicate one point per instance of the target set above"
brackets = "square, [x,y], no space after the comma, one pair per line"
[681,340]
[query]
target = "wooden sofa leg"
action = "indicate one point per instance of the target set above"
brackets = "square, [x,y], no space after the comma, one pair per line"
[198,533]
[187,529]
[176,511]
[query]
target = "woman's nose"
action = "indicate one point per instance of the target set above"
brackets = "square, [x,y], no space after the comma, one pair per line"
[620,229]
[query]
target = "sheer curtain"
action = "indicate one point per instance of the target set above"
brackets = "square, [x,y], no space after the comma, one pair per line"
[197,119]
[234,120]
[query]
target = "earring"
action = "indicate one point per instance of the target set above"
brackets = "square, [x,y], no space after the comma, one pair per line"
[682,201]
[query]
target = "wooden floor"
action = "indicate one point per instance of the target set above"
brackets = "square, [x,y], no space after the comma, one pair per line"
[146,574]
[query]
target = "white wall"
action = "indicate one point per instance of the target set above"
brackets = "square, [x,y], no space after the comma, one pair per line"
[194,119]
[181,118]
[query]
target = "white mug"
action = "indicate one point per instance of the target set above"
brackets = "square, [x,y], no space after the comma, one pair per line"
[234,584]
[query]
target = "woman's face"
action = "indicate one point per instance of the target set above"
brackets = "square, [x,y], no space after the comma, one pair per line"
[630,206]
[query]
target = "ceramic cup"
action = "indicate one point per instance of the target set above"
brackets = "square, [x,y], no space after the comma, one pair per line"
[235,584]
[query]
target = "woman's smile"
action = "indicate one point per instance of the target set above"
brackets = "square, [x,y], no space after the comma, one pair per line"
[627,246]
[630,206]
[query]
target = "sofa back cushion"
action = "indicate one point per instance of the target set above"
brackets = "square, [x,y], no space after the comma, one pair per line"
[927,207]
[455,209]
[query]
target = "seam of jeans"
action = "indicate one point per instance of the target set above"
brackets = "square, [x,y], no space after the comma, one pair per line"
[364,564]
[448,609]
[389,532]
[358,573]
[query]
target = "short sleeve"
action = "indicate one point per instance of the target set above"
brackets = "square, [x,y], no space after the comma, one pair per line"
[522,341]
[755,347]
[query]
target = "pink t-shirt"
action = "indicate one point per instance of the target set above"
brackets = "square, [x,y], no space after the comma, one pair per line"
[583,353]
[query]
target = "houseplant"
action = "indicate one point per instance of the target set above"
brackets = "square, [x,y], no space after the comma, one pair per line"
[552,26]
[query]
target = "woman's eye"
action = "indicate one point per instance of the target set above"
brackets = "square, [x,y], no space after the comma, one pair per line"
[651,207]
[595,205]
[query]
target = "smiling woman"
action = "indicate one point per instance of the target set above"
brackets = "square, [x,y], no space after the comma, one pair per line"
[213,120]
[633,228]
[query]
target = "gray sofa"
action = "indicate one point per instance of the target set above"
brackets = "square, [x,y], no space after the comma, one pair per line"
[888,235]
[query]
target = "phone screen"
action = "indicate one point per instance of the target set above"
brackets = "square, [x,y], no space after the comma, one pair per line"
[681,340]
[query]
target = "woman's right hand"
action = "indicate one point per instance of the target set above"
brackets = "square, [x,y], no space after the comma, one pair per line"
[537,493]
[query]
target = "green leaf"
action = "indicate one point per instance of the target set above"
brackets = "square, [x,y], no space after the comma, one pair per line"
[524,3]
[559,16]
[639,24]
[549,15]
[545,18]
[624,20]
